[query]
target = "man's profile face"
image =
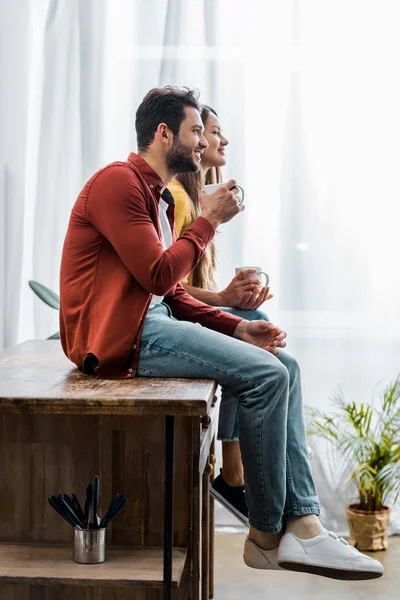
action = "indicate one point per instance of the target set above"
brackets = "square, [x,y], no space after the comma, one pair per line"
[184,156]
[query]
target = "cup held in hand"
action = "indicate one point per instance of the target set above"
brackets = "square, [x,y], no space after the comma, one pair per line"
[238,191]
[257,275]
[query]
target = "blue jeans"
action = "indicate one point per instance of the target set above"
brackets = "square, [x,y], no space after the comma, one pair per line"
[228,424]
[267,392]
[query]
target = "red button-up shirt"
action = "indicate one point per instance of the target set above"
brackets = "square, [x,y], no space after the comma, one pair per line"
[113,260]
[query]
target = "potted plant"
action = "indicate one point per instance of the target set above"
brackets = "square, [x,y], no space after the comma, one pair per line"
[369,438]
[49,297]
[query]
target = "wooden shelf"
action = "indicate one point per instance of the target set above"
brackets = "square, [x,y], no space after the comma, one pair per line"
[53,565]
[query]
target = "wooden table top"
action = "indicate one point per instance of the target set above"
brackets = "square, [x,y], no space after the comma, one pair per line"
[36,376]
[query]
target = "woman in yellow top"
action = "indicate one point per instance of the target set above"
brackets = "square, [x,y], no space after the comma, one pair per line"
[185,190]
[243,297]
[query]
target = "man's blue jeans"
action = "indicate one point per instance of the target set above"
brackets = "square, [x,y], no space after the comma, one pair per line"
[228,424]
[266,392]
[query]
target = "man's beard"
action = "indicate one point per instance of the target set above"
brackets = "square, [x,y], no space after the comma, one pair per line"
[179,158]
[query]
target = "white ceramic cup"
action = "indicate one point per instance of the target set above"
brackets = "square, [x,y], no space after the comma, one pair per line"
[256,275]
[212,187]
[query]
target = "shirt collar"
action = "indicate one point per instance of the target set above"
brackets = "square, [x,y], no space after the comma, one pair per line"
[150,176]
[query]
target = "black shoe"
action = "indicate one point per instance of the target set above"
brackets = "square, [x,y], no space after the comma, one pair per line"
[233,498]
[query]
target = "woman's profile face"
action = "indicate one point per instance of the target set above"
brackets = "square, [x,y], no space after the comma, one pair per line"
[214,155]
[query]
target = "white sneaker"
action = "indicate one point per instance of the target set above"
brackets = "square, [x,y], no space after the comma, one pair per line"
[256,557]
[326,555]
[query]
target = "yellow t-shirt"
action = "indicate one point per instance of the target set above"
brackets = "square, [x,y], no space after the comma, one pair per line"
[183,220]
[182,206]
[182,210]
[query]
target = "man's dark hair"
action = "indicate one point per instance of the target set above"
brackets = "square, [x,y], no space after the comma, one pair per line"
[162,105]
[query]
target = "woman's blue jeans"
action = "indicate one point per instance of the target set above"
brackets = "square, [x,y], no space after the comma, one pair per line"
[267,393]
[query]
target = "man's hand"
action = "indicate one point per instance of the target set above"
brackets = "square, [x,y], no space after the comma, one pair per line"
[221,206]
[263,334]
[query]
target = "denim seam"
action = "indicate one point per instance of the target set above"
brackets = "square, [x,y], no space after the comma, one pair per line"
[235,375]
[290,485]
[236,428]
[260,466]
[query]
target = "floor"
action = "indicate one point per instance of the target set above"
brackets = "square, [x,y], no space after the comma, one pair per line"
[235,581]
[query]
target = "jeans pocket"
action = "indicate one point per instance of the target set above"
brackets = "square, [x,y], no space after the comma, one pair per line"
[143,371]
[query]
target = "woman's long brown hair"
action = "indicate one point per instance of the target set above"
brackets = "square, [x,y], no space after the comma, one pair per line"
[202,275]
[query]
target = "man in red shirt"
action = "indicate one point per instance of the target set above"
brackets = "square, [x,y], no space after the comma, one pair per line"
[123,312]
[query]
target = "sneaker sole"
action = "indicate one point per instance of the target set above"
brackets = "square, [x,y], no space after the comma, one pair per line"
[343,574]
[229,507]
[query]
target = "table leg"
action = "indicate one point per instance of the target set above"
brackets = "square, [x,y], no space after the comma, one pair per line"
[212,525]
[168,505]
[205,536]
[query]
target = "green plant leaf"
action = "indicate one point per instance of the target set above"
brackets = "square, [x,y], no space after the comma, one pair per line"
[389,480]
[55,336]
[48,296]
[368,437]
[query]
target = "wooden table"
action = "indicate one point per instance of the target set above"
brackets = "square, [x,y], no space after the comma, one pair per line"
[59,428]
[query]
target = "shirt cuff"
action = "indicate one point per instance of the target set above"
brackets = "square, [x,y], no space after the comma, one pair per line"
[226,323]
[204,228]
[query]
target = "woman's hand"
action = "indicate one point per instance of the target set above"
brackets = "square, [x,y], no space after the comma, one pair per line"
[241,289]
[255,298]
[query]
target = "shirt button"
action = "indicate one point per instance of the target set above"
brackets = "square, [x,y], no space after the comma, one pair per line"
[151,186]
[134,346]
[130,370]
[129,375]
[160,184]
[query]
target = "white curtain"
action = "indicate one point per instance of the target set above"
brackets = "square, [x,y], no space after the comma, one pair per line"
[308,95]
[327,211]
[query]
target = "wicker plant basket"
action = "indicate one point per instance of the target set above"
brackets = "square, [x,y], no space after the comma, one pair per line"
[368,531]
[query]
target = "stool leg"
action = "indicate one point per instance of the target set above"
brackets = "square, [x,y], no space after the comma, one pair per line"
[168,505]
